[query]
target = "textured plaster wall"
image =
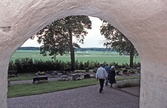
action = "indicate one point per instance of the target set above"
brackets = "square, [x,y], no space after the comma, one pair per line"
[144,22]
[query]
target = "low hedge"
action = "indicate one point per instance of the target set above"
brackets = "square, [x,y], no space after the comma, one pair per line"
[29,65]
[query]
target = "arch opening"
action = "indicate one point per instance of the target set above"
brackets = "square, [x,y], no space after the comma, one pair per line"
[143,26]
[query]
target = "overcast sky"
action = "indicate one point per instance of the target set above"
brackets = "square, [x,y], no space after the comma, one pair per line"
[93,38]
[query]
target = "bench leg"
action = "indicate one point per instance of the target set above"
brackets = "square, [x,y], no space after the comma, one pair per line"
[40,79]
[34,80]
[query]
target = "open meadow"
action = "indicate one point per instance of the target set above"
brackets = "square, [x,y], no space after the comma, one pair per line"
[84,56]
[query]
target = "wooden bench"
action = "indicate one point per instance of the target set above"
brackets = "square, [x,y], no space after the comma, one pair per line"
[40,79]
[87,76]
[12,73]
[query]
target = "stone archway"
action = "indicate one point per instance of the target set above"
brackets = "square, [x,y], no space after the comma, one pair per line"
[143,22]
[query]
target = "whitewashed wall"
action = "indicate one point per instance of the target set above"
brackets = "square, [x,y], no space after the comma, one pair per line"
[144,22]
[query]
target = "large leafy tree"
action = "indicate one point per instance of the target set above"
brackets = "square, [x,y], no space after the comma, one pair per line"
[117,41]
[57,38]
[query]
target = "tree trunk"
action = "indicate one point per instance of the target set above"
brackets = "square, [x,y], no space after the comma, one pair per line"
[72,54]
[131,56]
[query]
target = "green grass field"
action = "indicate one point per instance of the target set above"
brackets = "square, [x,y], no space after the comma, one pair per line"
[34,89]
[80,56]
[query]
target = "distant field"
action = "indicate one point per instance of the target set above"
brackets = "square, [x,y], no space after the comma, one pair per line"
[80,56]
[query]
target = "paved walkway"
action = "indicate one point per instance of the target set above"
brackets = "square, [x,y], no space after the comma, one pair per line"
[85,97]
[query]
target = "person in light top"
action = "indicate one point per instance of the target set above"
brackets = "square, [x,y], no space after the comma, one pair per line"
[101,75]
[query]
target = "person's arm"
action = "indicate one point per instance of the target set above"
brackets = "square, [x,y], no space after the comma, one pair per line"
[114,72]
[105,74]
[96,75]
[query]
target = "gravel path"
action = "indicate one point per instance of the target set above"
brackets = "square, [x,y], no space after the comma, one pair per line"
[85,97]
[132,90]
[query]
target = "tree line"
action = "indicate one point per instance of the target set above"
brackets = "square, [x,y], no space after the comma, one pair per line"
[57,38]
[76,49]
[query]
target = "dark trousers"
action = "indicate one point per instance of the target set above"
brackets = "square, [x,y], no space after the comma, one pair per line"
[101,84]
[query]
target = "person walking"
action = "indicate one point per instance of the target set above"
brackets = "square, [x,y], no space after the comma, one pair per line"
[112,76]
[107,68]
[101,75]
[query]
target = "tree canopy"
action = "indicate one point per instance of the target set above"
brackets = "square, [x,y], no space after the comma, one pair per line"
[57,38]
[117,41]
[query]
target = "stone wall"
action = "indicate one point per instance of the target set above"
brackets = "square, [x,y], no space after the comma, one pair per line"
[143,22]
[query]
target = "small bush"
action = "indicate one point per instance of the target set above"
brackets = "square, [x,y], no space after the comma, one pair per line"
[128,83]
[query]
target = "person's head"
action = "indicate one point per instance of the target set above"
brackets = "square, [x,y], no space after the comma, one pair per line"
[101,65]
[112,67]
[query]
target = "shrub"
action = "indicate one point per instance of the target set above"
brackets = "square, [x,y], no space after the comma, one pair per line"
[30,65]
[128,83]
[12,65]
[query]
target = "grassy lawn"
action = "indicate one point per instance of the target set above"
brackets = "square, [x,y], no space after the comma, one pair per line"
[129,84]
[32,89]
[127,77]
[22,76]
